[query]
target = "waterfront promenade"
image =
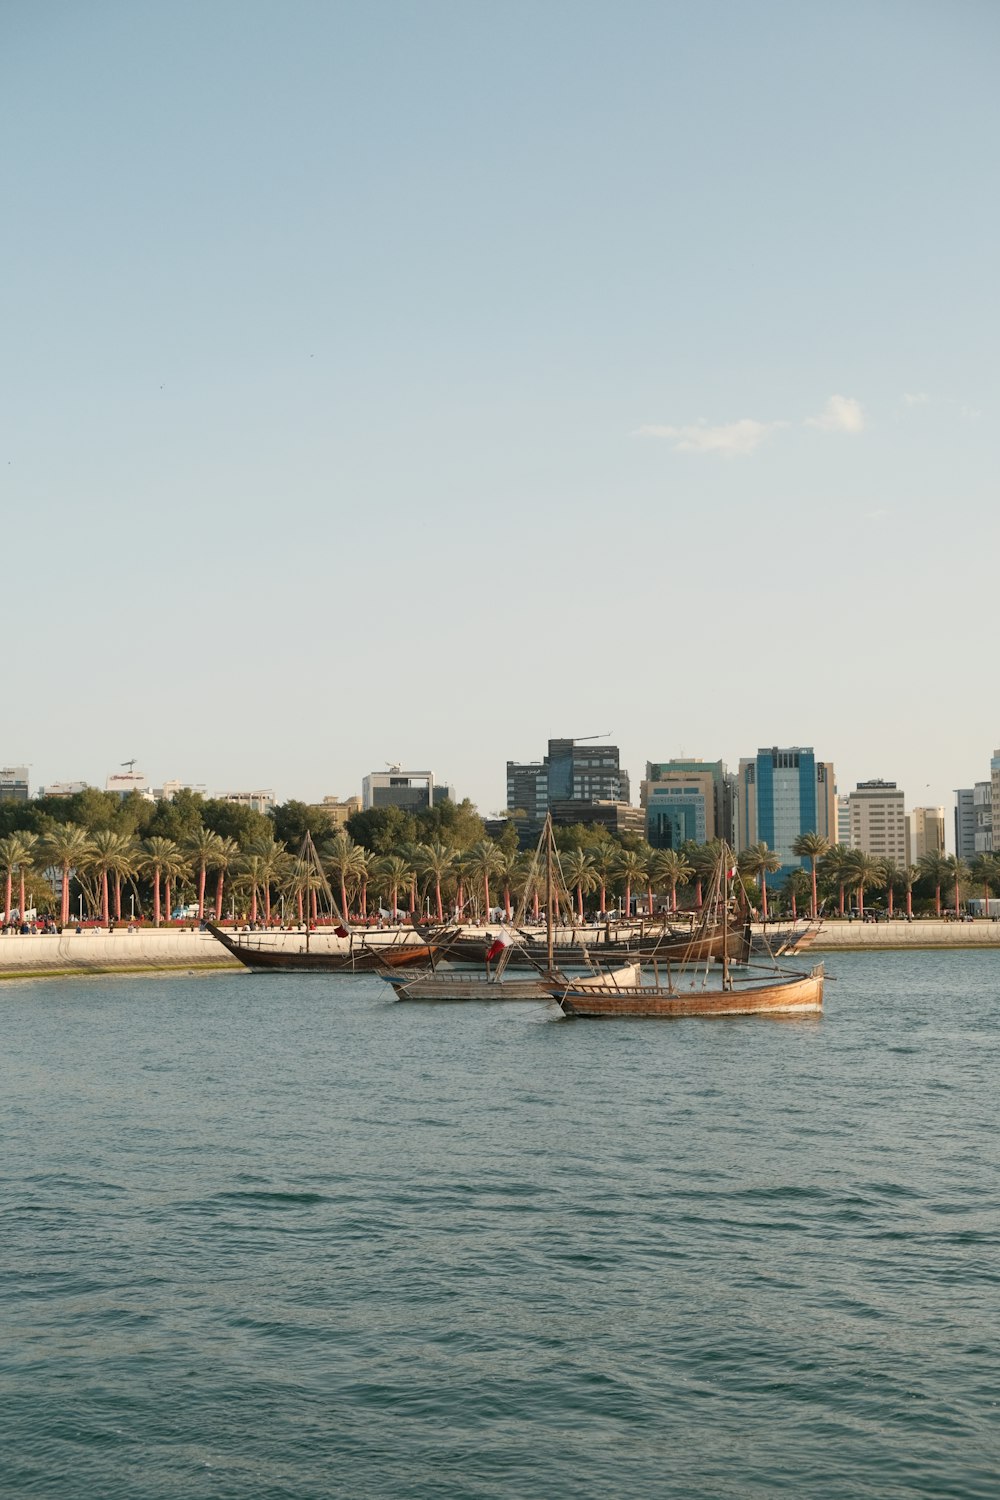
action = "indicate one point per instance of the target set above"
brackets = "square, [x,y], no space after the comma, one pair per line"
[96,951]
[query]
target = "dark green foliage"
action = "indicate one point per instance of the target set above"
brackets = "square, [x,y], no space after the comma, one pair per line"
[383,829]
[456,824]
[232,821]
[293,820]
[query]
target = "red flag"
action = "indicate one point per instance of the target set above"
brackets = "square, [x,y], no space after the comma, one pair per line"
[499,943]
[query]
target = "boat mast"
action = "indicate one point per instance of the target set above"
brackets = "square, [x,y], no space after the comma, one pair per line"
[726,982]
[549,947]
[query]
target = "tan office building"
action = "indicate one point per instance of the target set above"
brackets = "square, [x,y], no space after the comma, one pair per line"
[928,831]
[878,822]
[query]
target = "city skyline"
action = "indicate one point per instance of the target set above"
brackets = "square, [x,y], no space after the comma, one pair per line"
[398,384]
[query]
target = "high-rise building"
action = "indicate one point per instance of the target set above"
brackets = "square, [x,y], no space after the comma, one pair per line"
[965,822]
[14,784]
[528,789]
[687,799]
[928,831]
[995,787]
[878,821]
[785,791]
[410,790]
[62,788]
[578,783]
[982,807]
[844,821]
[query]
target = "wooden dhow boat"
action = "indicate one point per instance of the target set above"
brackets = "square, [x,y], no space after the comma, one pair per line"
[691,947]
[262,953]
[336,951]
[749,995]
[453,985]
[764,991]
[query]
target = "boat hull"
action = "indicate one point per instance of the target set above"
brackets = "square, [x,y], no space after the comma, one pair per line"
[794,996]
[361,958]
[453,987]
[675,948]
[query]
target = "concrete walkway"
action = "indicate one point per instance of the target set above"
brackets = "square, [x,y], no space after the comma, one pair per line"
[922,932]
[96,951]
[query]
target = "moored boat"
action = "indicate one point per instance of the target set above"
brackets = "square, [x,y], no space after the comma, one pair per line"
[452,985]
[351,956]
[769,994]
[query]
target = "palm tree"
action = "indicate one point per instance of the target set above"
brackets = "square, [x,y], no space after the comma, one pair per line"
[201,847]
[227,852]
[392,872]
[834,867]
[797,886]
[631,870]
[812,846]
[111,852]
[986,871]
[253,871]
[483,860]
[958,871]
[342,858]
[934,867]
[434,862]
[704,861]
[579,874]
[301,878]
[157,856]
[893,877]
[506,873]
[670,868]
[66,846]
[908,877]
[15,854]
[863,870]
[273,859]
[605,856]
[758,861]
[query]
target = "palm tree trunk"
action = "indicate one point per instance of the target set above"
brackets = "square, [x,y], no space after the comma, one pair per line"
[267,902]
[65,897]
[22,897]
[364,899]
[628,898]
[343,899]
[795,913]
[437,897]
[890,898]
[506,903]
[219,884]
[861,900]
[937,899]
[201,892]
[841,898]
[298,903]
[604,895]
[7,897]
[909,901]
[156,895]
[956,895]
[105,911]
[315,909]
[815,902]
[395,900]
[697,893]
[166,895]
[253,905]
[486,893]
[534,906]
[763,894]
[673,896]
[579,902]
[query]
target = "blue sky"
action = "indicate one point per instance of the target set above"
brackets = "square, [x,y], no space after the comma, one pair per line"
[415,382]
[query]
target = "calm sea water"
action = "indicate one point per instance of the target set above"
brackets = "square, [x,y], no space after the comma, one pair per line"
[268,1236]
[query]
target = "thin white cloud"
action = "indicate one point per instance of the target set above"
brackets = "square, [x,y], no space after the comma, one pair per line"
[840,414]
[915,398]
[730,438]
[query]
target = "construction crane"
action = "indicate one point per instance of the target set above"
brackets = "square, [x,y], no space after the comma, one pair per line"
[579,738]
[129,763]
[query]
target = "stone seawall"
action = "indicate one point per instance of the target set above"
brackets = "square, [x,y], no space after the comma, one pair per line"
[96,951]
[920,933]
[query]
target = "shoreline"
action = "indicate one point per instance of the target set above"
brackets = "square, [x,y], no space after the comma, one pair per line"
[97,953]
